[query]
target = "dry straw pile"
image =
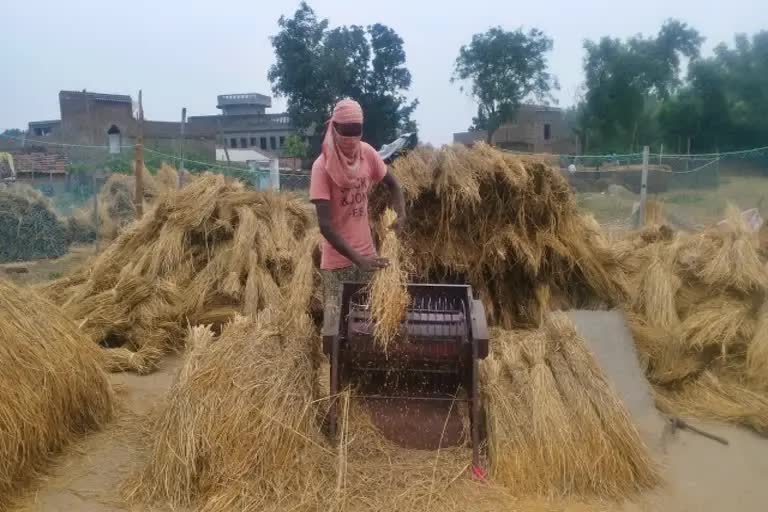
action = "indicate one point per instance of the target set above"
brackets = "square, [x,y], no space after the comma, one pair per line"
[700,319]
[199,256]
[509,226]
[555,426]
[29,226]
[52,386]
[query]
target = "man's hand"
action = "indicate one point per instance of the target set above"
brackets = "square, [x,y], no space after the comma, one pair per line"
[398,225]
[368,264]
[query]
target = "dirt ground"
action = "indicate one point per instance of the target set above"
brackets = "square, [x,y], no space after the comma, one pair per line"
[39,271]
[701,475]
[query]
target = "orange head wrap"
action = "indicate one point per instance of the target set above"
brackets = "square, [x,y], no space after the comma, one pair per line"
[342,153]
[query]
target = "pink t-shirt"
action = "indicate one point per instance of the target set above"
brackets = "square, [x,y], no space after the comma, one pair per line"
[349,207]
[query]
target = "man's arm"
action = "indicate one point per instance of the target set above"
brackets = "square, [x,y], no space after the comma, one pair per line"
[323,208]
[398,200]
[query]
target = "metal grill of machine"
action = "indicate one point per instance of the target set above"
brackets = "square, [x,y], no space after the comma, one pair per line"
[441,340]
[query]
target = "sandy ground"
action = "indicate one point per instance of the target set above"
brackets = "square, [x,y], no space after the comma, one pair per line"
[38,271]
[701,475]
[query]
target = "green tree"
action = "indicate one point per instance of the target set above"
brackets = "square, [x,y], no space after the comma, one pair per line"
[295,148]
[317,66]
[505,69]
[626,80]
[13,132]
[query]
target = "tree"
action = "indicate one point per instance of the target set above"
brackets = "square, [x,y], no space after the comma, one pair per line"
[625,80]
[13,132]
[317,66]
[505,69]
[295,148]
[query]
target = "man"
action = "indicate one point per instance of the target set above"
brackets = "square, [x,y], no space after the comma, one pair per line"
[342,177]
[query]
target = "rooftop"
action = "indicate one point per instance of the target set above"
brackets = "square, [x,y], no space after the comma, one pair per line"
[96,96]
[251,98]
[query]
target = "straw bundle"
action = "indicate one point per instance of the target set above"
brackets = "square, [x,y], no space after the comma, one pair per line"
[116,204]
[506,224]
[555,427]
[239,429]
[52,386]
[699,302]
[201,255]
[389,293]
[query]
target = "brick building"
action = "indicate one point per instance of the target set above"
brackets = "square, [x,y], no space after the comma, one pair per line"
[536,129]
[109,120]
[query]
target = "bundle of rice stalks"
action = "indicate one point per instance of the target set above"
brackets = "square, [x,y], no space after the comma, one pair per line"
[555,426]
[507,225]
[699,302]
[389,294]
[52,386]
[29,227]
[239,430]
[713,397]
[201,255]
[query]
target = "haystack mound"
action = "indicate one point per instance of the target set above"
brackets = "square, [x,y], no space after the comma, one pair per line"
[700,319]
[52,386]
[117,208]
[555,426]
[29,227]
[200,256]
[506,224]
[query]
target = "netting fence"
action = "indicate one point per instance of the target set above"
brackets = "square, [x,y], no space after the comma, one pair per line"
[689,191]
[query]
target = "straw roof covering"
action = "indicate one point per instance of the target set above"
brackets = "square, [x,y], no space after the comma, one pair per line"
[199,256]
[506,224]
[52,385]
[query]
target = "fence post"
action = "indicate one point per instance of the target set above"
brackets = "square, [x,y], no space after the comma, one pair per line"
[95,189]
[181,149]
[661,153]
[643,189]
[274,173]
[139,164]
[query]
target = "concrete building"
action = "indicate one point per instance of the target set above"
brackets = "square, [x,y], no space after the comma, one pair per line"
[536,129]
[245,124]
[109,120]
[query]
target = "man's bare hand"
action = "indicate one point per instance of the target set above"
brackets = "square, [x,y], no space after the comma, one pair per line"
[367,264]
[398,225]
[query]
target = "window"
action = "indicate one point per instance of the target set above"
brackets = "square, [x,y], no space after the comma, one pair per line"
[547,132]
[253,141]
[243,142]
[273,143]
[263,143]
[232,143]
[113,134]
[282,141]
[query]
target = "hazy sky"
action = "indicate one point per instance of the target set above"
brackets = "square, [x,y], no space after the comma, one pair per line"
[184,53]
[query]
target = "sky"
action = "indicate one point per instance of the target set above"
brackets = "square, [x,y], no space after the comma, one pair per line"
[183,53]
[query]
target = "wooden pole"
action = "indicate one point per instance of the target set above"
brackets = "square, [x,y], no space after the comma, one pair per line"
[223,141]
[643,188]
[95,208]
[139,163]
[181,150]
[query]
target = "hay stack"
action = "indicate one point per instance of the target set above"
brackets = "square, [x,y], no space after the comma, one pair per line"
[239,429]
[699,303]
[52,386]
[506,224]
[389,295]
[555,426]
[29,227]
[200,256]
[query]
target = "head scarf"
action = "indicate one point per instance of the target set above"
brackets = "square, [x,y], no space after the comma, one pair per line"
[343,154]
